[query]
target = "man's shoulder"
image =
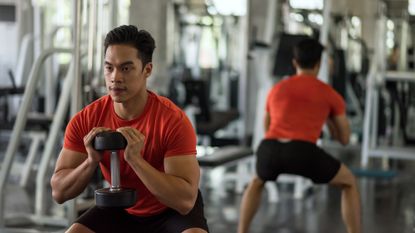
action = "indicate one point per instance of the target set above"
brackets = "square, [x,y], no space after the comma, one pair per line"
[96,105]
[166,106]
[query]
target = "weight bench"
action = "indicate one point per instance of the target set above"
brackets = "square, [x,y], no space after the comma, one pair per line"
[225,157]
[241,156]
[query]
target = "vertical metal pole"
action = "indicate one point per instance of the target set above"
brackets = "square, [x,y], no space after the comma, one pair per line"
[113,14]
[92,35]
[323,74]
[374,114]
[115,171]
[99,43]
[377,71]
[50,82]
[170,32]
[77,87]
[369,113]
[243,105]
[270,21]
[381,69]
[403,47]
[38,30]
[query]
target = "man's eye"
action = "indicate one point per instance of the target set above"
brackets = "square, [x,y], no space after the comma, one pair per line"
[108,68]
[126,68]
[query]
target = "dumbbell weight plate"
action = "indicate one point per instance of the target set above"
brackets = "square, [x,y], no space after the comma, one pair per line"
[109,140]
[121,198]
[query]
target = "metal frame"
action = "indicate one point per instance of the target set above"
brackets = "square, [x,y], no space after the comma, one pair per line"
[376,77]
[15,140]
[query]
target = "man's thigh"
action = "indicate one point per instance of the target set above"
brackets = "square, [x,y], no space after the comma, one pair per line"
[192,222]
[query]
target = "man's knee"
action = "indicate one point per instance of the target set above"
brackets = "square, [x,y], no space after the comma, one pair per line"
[78,228]
[257,182]
[344,178]
[194,230]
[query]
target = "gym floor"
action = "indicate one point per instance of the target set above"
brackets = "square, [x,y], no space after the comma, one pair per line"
[388,205]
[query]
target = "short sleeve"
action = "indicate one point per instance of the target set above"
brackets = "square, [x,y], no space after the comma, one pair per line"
[269,96]
[181,138]
[337,104]
[74,134]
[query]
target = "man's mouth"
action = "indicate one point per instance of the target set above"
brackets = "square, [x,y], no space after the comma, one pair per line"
[117,90]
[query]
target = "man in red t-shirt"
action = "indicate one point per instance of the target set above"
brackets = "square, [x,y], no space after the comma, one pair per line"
[296,110]
[159,160]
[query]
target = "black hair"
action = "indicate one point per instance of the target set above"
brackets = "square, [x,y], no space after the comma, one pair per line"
[307,53]
[130,35]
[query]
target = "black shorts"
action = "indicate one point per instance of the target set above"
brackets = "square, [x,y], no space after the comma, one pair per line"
[102,220]
[295,157]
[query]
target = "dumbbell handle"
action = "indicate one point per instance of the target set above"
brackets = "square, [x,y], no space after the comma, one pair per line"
[115,171]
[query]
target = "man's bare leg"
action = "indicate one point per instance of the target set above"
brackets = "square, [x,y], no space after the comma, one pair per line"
[250,203]
[350,202]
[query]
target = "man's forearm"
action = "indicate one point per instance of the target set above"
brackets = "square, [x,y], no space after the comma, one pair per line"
[334,132]
[174,192]
[69,183]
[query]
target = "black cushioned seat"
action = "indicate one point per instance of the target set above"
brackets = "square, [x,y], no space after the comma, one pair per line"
[224,155]
[218,120]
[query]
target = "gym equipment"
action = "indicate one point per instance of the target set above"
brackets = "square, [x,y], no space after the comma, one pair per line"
[226,157]
[377,77]
[114,196]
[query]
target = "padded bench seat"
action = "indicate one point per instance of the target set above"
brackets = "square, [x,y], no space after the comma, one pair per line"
[218,120]
[224,155]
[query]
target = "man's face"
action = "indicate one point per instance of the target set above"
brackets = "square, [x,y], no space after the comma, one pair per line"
[125,77]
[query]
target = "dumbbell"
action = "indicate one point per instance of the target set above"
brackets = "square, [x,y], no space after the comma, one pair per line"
[115,195]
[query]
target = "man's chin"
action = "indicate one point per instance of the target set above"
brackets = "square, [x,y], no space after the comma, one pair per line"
[117,99]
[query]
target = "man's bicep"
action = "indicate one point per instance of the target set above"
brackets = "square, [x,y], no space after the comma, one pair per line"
[69,159]
[267,121]
[340,121]
[342,125]
[337,105]
[183,166]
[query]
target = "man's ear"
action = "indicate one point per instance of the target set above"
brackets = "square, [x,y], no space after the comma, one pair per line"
[148,68]
[295,64]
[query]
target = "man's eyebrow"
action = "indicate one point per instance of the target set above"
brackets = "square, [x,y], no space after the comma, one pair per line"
[127,63]
[122,64]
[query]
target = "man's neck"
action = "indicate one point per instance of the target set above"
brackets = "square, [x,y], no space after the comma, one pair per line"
[307,72]
[132,108]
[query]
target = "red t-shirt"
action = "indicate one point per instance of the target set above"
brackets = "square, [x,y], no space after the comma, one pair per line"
[299,106]
[167,130]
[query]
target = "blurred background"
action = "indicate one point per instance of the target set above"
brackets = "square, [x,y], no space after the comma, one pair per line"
[216,60]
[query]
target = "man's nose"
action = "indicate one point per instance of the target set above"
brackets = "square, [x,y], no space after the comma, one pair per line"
[116,76]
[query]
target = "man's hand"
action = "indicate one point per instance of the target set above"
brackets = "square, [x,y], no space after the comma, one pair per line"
[93,155]
[135,143]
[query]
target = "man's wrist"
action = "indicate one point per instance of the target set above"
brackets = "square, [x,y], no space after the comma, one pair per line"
[92,162]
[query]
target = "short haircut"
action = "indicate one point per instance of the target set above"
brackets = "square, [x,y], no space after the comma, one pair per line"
[307,53]
[130,35]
